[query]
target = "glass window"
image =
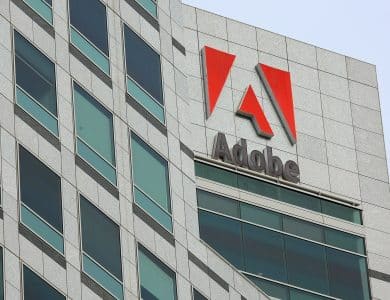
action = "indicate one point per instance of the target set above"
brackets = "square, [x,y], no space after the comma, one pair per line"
[224,235]
[264,252]
[273,289]
[261,216]
[344,240]
[259,187]
[341,212]
[347,275]
[95,133]
[197,295]
[300,199]
[216,174]
[157,281]
[35,83]
[43,8]
[150,6]
[101,248]
[218,203]
[304,229]
[143,66]
[34,287]
[151,181]
[89,34]
[306,265]
[41,204]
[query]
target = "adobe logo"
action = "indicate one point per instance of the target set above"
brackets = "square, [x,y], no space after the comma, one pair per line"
[216,68]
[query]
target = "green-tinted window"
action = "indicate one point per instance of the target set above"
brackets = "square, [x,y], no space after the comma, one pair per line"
[143,66]
[258,187]
[264,252]
[300,199]
[40,193]
[218,203]
[101,248]
[347,275]
[157,281]
[344,240]
[34,287]
[216,174]
[224,235]
[304,229]
[43,8]
[341,211]
[197,295]
[151,181]
[95,133]
[35,83]
[306,265]
[276,192]
[150,6]
[89,34]
[271,252]
[260,216]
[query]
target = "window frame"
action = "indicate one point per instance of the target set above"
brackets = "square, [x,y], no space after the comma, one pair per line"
[15,85]
[158,52]
[24,264]
[20,202]
[157,11]
[82,252]
[107,56]
[138,244]
[75,135]
[133,185]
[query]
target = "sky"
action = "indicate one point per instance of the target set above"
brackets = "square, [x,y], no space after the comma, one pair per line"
[354,28]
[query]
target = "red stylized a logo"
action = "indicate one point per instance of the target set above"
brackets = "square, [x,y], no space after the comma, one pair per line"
[216,67]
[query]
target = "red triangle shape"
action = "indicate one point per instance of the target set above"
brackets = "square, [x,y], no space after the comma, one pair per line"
[250,107]
[278,85]
[216,66]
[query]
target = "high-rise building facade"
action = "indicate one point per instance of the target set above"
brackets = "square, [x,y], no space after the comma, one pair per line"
[153,150]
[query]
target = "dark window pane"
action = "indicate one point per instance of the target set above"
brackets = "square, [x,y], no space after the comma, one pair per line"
[218,203]
[93,25]
[263,252]
[341,211]
[100,238]
[261,216]
[40,189]
[306,265]
[348,275]
[258,187]
[35,73]
[197,295]
[300,199]
[300,295]
[157,281]
[272,289]
[215,174]
[222,234]
[344,240]
[143,64]
[36,288]
[304,229]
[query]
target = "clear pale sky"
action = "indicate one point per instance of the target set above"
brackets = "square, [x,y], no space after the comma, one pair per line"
[356,28]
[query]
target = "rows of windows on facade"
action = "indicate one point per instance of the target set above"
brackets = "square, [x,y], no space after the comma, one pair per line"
[288,258]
